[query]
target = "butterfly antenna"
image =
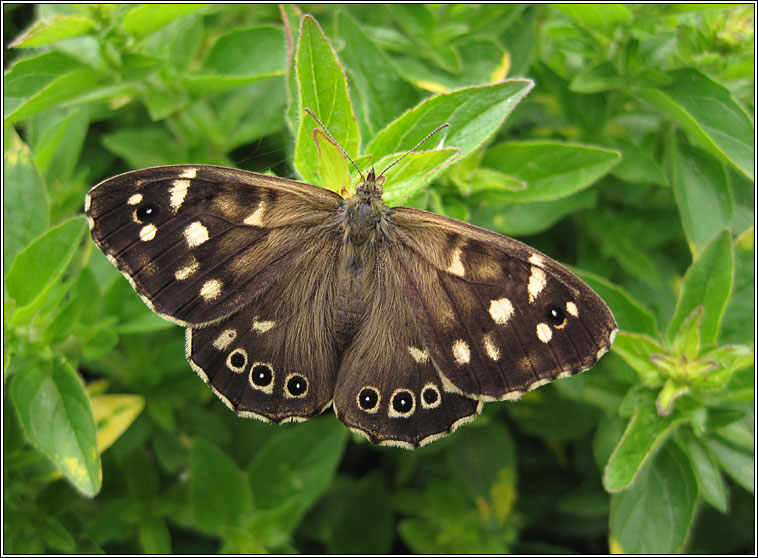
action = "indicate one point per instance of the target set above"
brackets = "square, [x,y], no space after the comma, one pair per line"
[430,134]
[309,111]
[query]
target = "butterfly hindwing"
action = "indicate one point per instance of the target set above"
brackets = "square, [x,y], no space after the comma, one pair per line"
[198,241]
[388,388]
[276,359]
[498,317]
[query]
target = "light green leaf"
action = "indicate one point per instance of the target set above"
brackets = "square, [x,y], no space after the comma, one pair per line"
[231,53]
[601,17]
[645,432]
[64,89]
[40,265]
[738,325]
[735,461]
[552,170]
[409,175]
[709,112]
[708,281]
[706,470]
[57,418]
[145,19]
[49,31]
[323,89]
[332,165]
[474,115]
[25,202]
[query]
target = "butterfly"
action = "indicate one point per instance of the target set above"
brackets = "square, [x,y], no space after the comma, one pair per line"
[295,299]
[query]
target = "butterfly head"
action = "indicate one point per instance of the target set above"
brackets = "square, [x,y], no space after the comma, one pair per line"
[371,184]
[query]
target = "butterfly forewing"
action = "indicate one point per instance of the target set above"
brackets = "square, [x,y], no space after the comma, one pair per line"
[498,317]
[198,242]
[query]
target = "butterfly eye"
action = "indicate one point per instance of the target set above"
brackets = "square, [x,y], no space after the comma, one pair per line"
[555,316]
[146,212]
[430,397]
[368,399]
[297,385]
[261,375]
[402,403]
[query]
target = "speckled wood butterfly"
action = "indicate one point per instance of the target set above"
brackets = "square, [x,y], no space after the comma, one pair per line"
[295,299]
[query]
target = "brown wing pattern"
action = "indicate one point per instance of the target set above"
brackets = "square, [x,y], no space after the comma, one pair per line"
[198,241]
[498,317]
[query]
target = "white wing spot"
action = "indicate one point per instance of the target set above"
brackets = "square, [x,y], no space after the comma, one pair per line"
[256,217]
[225,339]
[456,266]
[187,271]
[572,309]
[262,327]
[461,352]
[87,203]
[134,199]
[189,173]
[501,310]
[147,233]
[537,282]
[196,234]
[419,355]
[489,346]
[211,290]
[178,193]
[90,222]
[544,333]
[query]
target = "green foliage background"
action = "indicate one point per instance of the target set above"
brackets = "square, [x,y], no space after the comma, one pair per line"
[631,159]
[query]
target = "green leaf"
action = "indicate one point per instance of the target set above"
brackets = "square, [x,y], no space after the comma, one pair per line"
[40,265]
[637,166]
[384,92]
[645,432]
[332,165]
[631,316]
[709,480]
[709,112]
[374,522]
[219,493]
[596,79]
[145,147]
[737,462]
[231,53]
[154,536]
[528,218]
[552,170]
[45,32]
[143,20]
[474,115]
[656,513]
[708,281]
[409,175]
[64,89]
[25,203]
[636,349]
[323,89]
[298,462]
[29,75]
[702,195]
[57,418]
[599,16]
[738,325]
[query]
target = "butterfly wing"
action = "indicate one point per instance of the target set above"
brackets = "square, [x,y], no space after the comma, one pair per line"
[388,388]
[197,241]
[498,317]
[276,358]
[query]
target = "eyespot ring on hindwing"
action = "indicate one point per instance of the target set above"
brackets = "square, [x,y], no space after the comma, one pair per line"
[368,399]
[295,386]
[261,377]
[402,403]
